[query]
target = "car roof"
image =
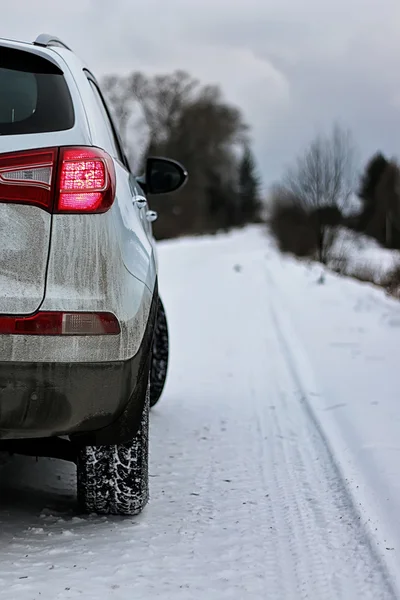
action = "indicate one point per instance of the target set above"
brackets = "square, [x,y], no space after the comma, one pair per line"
[48,46]
[44,40]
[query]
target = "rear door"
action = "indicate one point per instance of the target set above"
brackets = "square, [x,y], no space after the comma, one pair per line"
[34,101]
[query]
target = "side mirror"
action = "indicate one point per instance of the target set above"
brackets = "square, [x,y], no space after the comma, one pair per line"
[163,176]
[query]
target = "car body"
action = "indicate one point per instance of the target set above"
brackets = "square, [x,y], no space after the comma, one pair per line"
[78,263]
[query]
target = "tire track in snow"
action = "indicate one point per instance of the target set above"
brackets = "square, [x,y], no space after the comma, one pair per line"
[299,533]
[327,521]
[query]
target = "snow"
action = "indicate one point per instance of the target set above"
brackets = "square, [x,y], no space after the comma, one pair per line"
[274,452]
[363,253]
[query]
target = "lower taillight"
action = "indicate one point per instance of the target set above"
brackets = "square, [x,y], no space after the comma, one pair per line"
[61,323]
[67,180]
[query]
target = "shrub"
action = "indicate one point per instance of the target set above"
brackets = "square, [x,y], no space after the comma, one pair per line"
[291,226]
[391,281]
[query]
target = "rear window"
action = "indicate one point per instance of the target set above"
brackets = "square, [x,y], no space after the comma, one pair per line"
[34,96]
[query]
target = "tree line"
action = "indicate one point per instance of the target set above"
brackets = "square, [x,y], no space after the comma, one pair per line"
[177,116]
[174,115]
[323,192]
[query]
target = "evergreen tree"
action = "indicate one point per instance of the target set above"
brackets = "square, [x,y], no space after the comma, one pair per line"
[372,220]
[370,179]
[249,189]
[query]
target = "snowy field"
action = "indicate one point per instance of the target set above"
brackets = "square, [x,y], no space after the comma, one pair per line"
[275,451]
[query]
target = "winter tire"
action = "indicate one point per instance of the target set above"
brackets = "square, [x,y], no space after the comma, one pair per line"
[114,480]
[160,355]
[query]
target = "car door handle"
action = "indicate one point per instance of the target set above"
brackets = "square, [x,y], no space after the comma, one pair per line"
[151,216]
[140,201]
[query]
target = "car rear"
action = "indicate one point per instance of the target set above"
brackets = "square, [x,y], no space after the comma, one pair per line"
[72,317]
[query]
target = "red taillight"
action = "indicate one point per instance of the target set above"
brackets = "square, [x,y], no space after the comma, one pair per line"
[60,323]
[86,181]
[66,180]
[28,177]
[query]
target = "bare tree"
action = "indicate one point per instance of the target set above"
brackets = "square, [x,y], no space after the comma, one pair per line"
[322,183]
[162,99]
[205,137]
[147,107]
[325,175]
[177,116]
[120,99]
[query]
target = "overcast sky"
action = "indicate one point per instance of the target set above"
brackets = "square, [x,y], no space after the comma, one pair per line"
[294,66]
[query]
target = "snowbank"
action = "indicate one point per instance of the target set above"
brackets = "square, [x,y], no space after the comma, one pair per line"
[353,253]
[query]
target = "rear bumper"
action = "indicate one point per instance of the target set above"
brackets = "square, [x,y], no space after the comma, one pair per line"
[94,403]
[44,399]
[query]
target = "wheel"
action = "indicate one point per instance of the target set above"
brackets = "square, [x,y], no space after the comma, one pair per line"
[160,355]
[114,480]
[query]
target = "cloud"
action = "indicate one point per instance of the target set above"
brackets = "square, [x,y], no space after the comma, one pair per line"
[294,67]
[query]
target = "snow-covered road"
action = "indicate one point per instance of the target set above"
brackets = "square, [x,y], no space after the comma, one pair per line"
[253,494]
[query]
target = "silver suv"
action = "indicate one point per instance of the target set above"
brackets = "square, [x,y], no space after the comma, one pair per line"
[83,332]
